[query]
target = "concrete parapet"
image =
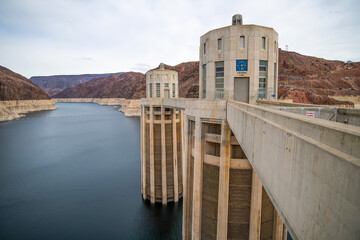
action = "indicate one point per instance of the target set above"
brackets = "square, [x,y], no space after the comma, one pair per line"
[283,103]
[342,115]
[309,167]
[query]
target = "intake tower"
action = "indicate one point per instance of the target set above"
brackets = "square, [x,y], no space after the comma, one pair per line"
[161,137]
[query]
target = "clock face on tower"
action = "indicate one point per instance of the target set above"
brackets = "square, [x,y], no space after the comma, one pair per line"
[241,65]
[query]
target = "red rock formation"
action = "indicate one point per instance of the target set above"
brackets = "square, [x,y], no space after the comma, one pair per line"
[13,86]
[55,84]
[306,79]
[132,85]
[127,85]
[296,66]
[302,78]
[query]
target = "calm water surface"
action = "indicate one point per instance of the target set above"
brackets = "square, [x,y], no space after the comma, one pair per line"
[74,173]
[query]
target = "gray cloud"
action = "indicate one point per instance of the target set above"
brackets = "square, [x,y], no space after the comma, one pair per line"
[38,37]
[85,59]
[141,67]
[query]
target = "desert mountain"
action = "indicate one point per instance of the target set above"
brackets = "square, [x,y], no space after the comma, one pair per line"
[13,86]
[304,79]
[127,85]
[307,79]
[54,84]
[131,85]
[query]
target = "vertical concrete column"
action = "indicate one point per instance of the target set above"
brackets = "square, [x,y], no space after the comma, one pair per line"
[163,157]
[175,160]
[284,232]
[255,207]
[185,166]
[198,172]
[278,227]
[182,122]
[152,160]
[143,160]
[224,175]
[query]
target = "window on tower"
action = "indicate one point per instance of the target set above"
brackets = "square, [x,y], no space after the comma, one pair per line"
[263,42]
[151,89]
[242,41]
[157,90]
[219,80]
[262,79]
[204,80]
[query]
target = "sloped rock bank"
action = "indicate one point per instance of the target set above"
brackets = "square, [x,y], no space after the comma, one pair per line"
[10,110]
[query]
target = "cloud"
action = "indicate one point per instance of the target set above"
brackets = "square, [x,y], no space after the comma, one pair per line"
[141,67]
[39,37]
[85,59]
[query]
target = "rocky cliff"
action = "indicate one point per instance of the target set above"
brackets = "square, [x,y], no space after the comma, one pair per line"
[306,79]
[13,86]
[18,95]
[127,85]
[132,109]
[55,84]
[10,110]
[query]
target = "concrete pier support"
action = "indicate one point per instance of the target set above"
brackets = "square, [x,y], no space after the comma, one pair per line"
[143,153]
[278,227]
[223,197]
[161,150]
[175,156]
[185,162]
[255,210]
[188,174]
[197,189]
[163,157]
[152,163]
[224,177]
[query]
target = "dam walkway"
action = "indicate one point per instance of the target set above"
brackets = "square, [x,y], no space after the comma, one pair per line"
[309,167]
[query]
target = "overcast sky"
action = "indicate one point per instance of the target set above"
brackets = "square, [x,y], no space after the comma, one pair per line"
[49,37]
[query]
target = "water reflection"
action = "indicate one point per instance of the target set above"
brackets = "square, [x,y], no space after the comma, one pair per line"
[74,173]
[158,221]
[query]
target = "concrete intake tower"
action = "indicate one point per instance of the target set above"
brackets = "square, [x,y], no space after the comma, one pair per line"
[252,167]
[161,137]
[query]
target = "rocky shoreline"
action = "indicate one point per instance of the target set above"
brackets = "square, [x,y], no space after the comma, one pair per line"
[14,109]
[130,107]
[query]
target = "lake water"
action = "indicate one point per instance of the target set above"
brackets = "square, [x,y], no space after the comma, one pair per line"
[75,173]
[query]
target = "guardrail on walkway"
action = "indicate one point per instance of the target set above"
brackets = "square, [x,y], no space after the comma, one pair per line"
[309,167]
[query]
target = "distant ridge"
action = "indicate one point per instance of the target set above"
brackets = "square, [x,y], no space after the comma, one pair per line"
[56,83]
[131,85]
[304,79]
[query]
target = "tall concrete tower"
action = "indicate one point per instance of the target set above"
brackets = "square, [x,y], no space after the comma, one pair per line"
[161,136]
[223,197]
[162,83]
[239,62]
